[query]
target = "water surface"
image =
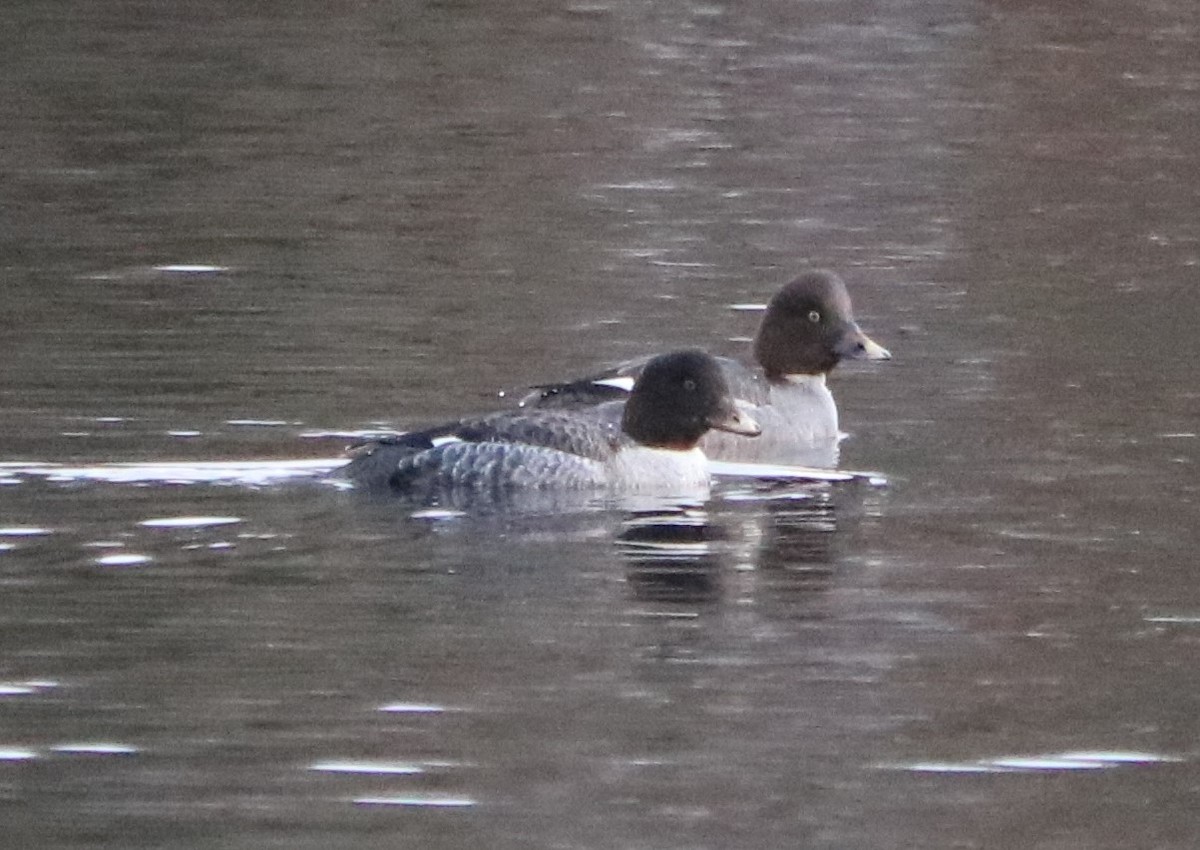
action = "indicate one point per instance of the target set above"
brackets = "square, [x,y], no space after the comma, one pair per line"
[233,235]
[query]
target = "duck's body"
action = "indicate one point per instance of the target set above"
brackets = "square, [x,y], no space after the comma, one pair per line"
[646,445]
[799,421]
[807,329]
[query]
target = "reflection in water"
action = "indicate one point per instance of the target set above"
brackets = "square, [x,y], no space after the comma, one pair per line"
[671,556]
[800,534]
[679,556]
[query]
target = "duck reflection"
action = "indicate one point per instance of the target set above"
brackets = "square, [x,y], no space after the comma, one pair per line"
[672,556]
[784,541]
[797,551]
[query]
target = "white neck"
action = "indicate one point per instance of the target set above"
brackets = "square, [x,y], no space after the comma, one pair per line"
[805,402]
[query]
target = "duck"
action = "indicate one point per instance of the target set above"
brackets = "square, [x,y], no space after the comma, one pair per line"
[807,329]
[646,444]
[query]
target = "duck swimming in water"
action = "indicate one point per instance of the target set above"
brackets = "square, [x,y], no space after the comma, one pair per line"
[645,444]
[807,329]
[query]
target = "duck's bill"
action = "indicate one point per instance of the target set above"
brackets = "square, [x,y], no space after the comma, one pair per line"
[737,421]
[858,346]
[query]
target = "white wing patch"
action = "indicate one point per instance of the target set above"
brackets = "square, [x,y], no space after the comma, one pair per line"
[620,382]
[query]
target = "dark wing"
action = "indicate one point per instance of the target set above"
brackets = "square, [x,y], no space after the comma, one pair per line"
[587,433]
[745,385]
[611,385]
[572,396]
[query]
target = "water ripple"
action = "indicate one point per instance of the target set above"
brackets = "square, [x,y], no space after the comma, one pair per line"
[201,472]
[1071,760]
[189,521]
[429,800]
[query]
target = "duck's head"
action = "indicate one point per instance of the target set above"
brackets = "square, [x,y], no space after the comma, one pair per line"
[678,398]
[809,328]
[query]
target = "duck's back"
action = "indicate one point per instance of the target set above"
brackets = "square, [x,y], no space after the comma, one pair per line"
[615,384]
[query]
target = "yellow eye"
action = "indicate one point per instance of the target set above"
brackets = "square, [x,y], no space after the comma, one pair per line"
[814,316]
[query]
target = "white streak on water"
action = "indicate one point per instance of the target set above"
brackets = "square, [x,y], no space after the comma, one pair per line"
[429,800]
[190,268]
[17,755]
[102,748]
[412,708]
[437,514]
[189,521]
[1071,760]
[23,531]
[368,767]
[644,185]
[247,472]
[728,469]
[124,559]
[7,690]
[363,434]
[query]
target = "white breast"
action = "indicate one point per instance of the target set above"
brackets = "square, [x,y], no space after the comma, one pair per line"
[799,424]
[806,402]
[639,469]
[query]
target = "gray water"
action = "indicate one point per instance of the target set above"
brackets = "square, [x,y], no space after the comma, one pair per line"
[400,210]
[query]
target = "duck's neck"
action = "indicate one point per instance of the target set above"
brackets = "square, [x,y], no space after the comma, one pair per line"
[684,445]
[816,382]
[805,399]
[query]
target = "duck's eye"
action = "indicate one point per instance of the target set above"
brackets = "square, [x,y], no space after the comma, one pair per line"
[689,385]
[814,316]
